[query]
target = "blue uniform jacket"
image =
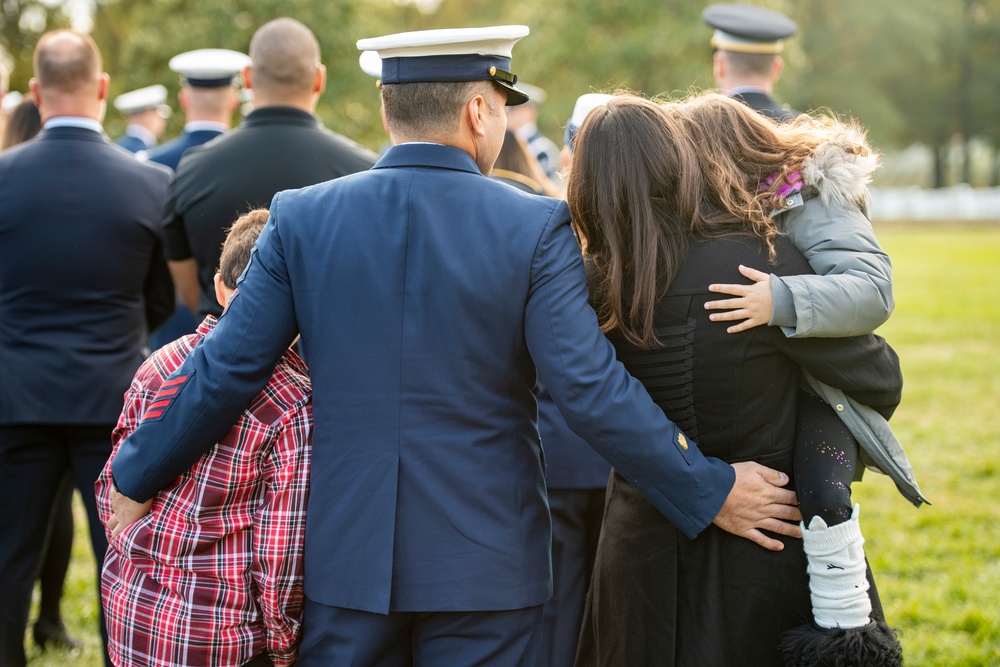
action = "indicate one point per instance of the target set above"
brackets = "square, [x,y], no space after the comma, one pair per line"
[427,296]
[170,153]
[131,143]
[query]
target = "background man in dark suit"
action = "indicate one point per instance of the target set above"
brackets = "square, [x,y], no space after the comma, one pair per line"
[82,275]
[427,297]
[746,64]
[279,145]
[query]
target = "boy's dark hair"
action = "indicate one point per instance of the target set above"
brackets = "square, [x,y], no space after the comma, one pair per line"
[240,241]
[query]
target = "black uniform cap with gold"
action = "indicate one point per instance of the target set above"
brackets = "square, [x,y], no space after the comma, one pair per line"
[748,29]
[456,54]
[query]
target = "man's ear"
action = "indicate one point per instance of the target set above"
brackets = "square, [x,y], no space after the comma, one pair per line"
[779,66]
[718,65]
[476,111]
[319,82]
[33,87]
[102,87]
[245,78]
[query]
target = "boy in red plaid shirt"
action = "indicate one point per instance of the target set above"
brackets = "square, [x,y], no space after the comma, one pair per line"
[212,576]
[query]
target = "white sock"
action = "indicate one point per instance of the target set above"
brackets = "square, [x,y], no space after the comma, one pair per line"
[838,585]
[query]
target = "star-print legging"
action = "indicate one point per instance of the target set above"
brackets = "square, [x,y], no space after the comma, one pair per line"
[826,455]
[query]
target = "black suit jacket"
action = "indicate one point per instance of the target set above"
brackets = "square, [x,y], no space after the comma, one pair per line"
[274,149]
[82,275]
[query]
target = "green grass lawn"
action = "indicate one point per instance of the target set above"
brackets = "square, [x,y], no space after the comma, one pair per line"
[937,568]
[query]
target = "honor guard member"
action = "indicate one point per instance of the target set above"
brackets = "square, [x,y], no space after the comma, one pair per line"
[207,97]
[522,120]
[279,145]
[429,298]
[146,113]
[746,63]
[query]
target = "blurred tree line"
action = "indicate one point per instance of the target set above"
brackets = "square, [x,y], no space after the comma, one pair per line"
[919,71]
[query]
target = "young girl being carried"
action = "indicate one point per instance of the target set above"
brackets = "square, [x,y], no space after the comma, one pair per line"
[812,178]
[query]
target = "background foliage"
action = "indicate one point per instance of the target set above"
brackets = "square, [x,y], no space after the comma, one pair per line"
[916,71]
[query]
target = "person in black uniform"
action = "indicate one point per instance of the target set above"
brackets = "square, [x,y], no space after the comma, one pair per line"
[746,63]
[82,277]
[280,145]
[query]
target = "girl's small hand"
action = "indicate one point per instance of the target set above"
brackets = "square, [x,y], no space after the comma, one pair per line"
[752,303]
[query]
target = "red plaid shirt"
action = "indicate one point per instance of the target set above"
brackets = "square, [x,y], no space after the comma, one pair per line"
[212,576]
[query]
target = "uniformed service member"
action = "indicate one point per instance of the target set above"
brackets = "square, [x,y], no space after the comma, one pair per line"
[207,97]
[146,113]
[747,63]
[429,298]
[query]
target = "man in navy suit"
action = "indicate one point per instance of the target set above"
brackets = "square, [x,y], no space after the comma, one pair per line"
[429,297]
[82,276]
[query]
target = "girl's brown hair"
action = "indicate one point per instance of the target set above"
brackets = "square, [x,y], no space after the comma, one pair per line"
[739,150]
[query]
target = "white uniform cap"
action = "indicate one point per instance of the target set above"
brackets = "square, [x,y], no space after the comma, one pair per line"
[454,54]
[143,99]
[536,94]
[11,100]
[370,63]
[584,105]
[209,68]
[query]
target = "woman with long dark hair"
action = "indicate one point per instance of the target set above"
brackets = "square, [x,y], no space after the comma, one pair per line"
[657,234]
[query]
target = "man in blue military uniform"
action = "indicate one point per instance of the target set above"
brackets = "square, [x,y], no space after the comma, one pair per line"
[208,99]
[747,64]
[146,113]
[429,297]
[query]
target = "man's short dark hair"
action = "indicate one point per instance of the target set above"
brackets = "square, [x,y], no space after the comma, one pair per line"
[65,60]
[750,64]
[239,243]
[432,107]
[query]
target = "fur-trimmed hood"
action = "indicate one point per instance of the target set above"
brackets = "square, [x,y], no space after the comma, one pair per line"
[840,176]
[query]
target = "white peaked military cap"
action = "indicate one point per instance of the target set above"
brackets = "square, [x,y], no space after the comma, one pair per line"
[209,68]
[584,105]
[454,54]
[143,99]
[536,95]
[11,100]
[370,63]
[748,29]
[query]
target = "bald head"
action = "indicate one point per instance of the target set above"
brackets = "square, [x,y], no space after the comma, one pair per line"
[67,62]
[285,56]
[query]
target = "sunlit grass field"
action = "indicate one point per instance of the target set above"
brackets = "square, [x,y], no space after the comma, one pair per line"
[937,568]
